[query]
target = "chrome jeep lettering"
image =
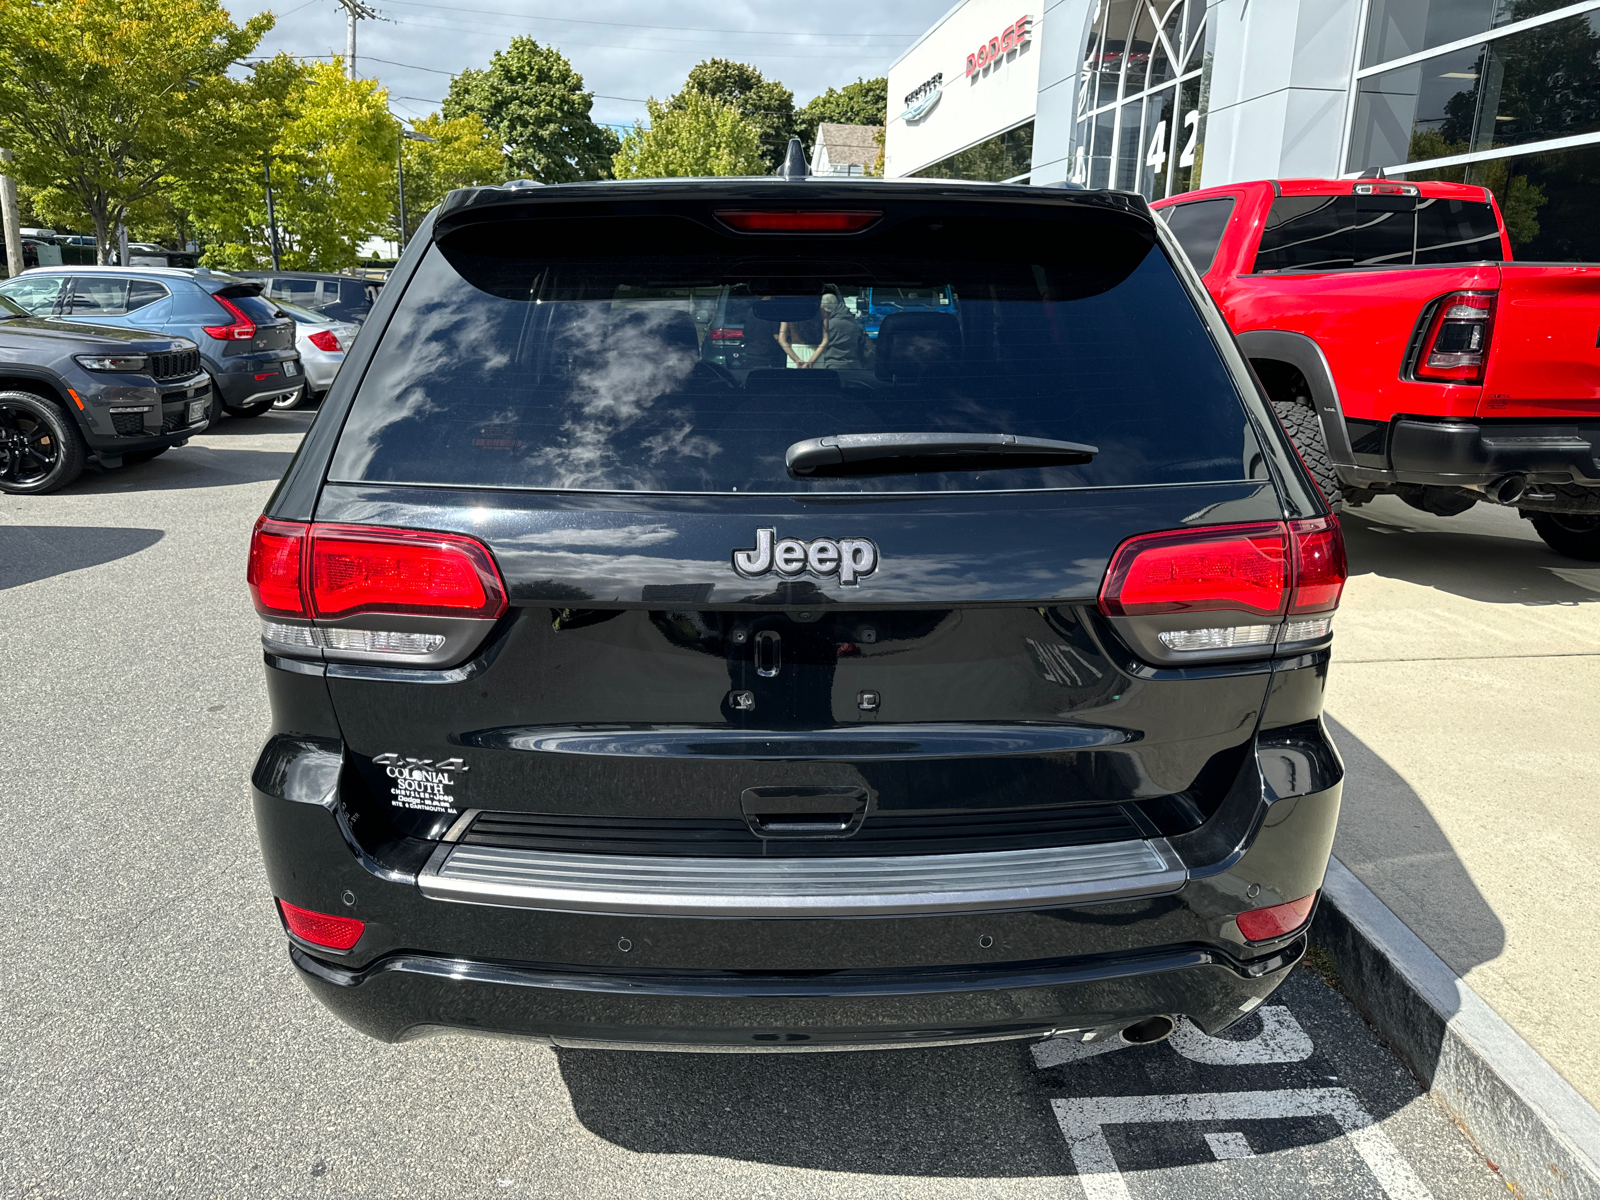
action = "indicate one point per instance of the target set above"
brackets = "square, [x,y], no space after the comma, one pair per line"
[851,559]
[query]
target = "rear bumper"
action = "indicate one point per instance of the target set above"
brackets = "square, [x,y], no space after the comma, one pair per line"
[410,995]
[238,387]
[1474,454]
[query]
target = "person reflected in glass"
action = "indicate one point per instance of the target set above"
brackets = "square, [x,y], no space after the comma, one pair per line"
[842,337]
[802,341]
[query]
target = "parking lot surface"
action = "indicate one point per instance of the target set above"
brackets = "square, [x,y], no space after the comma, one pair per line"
[157,1043]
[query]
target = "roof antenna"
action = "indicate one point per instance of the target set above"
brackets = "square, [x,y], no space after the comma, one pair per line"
[794,162]
[1372,173]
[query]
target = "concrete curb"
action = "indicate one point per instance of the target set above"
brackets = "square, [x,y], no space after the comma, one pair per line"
[1523,1116]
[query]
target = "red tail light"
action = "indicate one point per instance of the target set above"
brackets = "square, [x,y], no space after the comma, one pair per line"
[324,339]
[277,549]
[775,221]
[321,929]
[726,335]
[338,570]
[241,330]
[1264,924]
[1455,339]
[1265,572]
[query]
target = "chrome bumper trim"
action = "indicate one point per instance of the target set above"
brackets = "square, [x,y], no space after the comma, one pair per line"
[993,881]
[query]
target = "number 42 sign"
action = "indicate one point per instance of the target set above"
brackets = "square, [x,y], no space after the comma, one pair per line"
[1156,159]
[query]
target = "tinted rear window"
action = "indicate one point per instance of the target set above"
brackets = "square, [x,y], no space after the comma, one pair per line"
[664,357]
[1199,227]
[1328,232]
[258,308]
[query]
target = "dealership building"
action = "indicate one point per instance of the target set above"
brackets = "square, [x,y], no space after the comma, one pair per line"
[1165,96]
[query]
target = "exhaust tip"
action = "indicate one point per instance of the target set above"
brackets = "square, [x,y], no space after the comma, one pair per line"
[1508,489]
[1151,1029]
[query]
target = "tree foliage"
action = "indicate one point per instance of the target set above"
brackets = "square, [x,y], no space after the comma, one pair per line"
[700,136]
[464,153]
[536,105]
[765,103]
[106,101]
[864,102]
[333,179]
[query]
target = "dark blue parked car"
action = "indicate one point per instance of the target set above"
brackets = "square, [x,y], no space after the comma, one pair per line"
[246,343]
[879,302]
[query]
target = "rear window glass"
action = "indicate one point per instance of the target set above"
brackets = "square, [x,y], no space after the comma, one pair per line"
[664,357]
[257,308]
[1199,227]
[1327,232]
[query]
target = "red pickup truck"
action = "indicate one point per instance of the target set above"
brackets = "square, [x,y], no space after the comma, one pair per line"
[1404,349]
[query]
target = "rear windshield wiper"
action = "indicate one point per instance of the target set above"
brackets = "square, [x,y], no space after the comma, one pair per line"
[908,453]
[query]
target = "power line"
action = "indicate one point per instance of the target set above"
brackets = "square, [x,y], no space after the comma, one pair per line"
[495,12]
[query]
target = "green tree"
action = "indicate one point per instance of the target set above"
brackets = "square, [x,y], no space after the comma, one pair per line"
[535,103]
[765,103]
[701,136]
[333,180]
[464,153]
[864,102]
[106,102]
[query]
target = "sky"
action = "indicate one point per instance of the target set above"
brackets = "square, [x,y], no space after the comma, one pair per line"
[625,50]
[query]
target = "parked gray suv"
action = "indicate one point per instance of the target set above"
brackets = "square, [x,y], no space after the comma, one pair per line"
[246,343]
[73,393]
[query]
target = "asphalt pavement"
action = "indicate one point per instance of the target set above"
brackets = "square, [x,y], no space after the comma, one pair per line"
[156,1042]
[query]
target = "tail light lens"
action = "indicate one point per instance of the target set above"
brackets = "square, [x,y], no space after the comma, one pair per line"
[241,329]
[726,335]
[1283,578]
[1455,338]
[1264,924]
[331,571]
[321,929]
[324,339]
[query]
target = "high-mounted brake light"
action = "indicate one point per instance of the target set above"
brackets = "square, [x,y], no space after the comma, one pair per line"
[1283,578]
[1264,924]
[1455,338]
[325,339]
[791,221]
[321,929]
[242,329]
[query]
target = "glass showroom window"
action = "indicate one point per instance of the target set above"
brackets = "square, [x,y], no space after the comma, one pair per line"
[1141,111]
[1500,93]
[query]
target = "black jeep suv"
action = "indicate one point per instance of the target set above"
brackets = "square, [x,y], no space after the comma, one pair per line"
[958,683]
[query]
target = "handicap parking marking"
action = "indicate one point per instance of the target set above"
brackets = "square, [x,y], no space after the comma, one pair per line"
[1281,1040]
[1083,1121]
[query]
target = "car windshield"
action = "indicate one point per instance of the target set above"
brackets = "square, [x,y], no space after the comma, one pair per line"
[9,308]
[301,314]
[627,368]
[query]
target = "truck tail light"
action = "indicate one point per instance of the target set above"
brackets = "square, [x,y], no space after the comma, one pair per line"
[1264,924]
[333,571]
[1280,579]
[325,339]
[241,329]
[1455,338]
[321,929]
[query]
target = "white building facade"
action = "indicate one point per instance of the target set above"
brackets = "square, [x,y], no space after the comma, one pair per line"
[1165,96]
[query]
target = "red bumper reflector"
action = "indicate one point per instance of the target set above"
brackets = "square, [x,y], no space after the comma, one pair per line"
[773,221]
[321,929]
[1264,924]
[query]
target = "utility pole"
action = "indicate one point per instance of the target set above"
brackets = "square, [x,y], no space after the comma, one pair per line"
[354,10]
[272,218]
[8,214]
[406,135]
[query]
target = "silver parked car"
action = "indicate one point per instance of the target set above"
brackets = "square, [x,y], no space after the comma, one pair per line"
[322,342]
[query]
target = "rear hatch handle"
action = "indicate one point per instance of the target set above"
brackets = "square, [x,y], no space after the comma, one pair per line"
[889,453]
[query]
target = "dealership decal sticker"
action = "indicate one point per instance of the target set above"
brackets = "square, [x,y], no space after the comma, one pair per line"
[421,784]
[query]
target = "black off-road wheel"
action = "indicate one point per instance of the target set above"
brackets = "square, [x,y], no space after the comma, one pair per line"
[1306,433]
[1573,535]
[40,448]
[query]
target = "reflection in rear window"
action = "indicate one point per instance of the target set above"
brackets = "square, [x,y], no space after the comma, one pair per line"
[1309,233]
[663,357]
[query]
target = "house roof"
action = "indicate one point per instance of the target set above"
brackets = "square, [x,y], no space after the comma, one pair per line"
[849,143]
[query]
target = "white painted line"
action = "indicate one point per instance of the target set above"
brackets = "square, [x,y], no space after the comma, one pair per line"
[1229,1145]
[1083,1120]
[1281,1040]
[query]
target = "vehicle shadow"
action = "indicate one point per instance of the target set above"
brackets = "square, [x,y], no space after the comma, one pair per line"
[29,553]
[1493,557]
[191,466]
[293,420]
[958,1111]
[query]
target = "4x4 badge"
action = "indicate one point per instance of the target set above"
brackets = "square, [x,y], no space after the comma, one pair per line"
[851,559]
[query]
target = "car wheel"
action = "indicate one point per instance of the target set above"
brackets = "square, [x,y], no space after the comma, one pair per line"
[290,401]
[40,448]
[1306,433]
[141,456]
[1574,535]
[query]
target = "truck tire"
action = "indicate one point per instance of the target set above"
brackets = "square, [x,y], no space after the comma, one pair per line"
[1573,535]
[41,449]
[1306,433]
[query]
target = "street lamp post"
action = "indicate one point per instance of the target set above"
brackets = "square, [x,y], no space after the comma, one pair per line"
[406,135]
[272,217]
